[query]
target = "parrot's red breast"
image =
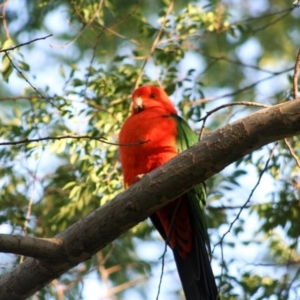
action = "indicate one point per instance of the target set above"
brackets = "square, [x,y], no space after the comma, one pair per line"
[152,132]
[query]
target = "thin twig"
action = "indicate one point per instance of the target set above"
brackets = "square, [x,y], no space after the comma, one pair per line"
[4,22]
[295,95]
[166,247]
[228,207]
[15,98]
[233,207]
[94,51]
[294,279]
[224,57]
[100,139]
[20,73]
[267,15]
[102,270]
[59,288]
[289,263]
[162,270]
[242,208]
[121,287]
[24,77]
[119,22]
[224,106]
[296,76]
[23,44]
[285,14]
[30,203]
[155,43]
[87,25]
[26,223]
[292,152]
[241,90]
[249,198]
[108,254]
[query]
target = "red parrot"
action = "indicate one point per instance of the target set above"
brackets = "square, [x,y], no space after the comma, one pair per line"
[181,223]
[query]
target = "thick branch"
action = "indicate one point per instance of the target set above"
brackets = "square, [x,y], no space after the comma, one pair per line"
[216,151]
[44,249]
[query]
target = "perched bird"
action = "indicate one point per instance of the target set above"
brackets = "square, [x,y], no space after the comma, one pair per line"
[181,223]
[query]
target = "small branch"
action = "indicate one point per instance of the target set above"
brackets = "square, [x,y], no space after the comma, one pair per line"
[100,139]
[289,263]
[208,113]
[59,288]
[228,207]
[295,94]
[103,272]
[86,26]
[292,152]
[285,13]
[4,22]
[241,90]
[23,44]
[15,98]
[155,43]
[296,76]
[43,249]
[124,286]
[162,270]
[94,47]
[119,23]
[24,77]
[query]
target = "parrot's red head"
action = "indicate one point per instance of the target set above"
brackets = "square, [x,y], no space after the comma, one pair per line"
[148,97]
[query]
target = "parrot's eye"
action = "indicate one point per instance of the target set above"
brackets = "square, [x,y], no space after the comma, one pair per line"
[152,95]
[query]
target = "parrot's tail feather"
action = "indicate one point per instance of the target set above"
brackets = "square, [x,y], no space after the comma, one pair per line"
[190,244]
[196,274]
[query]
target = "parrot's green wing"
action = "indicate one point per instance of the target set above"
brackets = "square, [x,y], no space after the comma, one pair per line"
[195,271]
[186,138]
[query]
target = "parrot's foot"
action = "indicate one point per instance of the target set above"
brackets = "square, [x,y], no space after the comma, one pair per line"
[139,176]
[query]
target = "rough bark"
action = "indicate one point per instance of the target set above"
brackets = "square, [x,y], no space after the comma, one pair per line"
[84,238]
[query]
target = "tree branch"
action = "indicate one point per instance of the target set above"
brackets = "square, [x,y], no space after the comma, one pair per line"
[63,137]
[157,188]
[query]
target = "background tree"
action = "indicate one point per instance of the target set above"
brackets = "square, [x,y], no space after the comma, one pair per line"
[205,54]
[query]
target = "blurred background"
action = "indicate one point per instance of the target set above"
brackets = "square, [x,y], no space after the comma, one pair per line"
[78,81]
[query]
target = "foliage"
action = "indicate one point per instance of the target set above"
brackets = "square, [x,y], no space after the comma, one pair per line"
[204,54]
